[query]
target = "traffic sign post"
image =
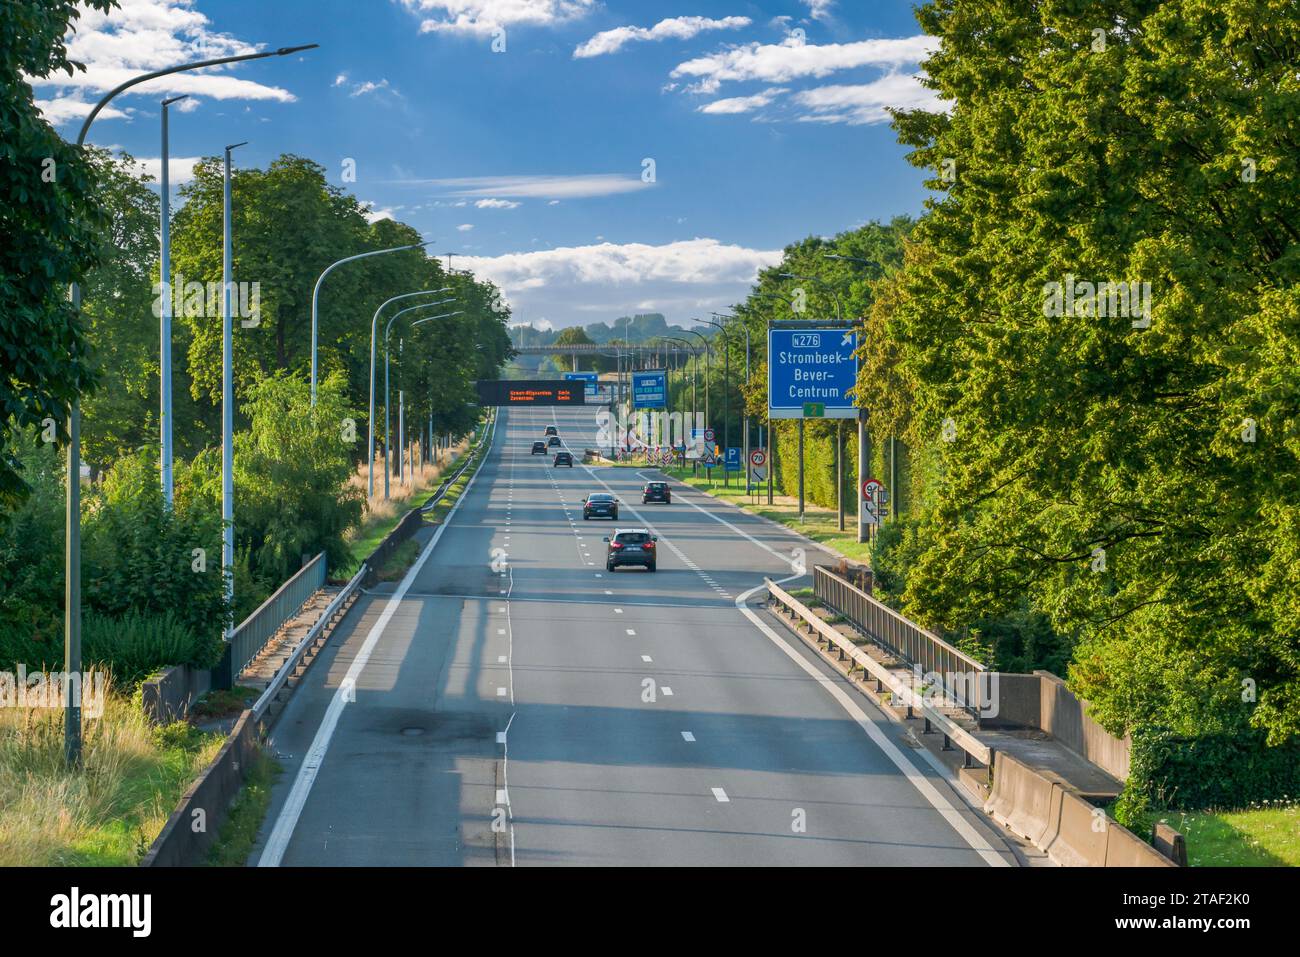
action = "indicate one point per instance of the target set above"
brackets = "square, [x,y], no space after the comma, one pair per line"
[758,466]
[650,389]
[873,497]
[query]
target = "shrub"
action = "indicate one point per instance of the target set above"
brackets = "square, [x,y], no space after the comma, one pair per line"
[136,645]
[1223,771]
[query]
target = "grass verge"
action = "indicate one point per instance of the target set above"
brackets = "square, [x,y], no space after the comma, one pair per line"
[819,524]
[1255,837]
[239,832]
[106,814]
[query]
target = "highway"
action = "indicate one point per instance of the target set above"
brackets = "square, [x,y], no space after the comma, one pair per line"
[510,702]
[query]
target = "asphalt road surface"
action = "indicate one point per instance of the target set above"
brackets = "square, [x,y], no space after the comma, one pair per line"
[511,702]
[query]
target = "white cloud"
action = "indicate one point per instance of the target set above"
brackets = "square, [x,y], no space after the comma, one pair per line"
[374,215]
[464,227]
[793,59]
[180,169]
[819,9]
[368,87]
[744,104]
[677,28]
[340,79]
[497,204]
[866,103]
[572,282]
[60,109]
[537,187]
[479,17]
[139,37]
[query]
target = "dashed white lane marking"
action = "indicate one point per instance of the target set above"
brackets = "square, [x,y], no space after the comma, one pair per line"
[687,736]
[503,797]
[666,691]
[618,611]
[501,692]
[501,659]
[631,631]
[721,796]
[501,631]
[646,658]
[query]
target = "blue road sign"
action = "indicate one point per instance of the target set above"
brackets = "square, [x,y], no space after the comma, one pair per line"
[810,373]
[733,459]
[590,378]
[650,389]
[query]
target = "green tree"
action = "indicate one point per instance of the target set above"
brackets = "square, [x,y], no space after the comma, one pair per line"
[1090,465]
[51,219]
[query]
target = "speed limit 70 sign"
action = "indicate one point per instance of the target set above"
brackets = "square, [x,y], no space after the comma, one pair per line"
[758,465]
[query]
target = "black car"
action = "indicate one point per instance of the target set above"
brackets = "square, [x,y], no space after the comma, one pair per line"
[563,458]
[553,441]
[656,492]
[631,546]
[551,430]
[600,505]
[538,447]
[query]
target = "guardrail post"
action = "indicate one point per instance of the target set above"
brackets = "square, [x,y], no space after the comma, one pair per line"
[928,729]
[947,745]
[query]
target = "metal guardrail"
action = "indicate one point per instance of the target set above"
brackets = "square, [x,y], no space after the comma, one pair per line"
[281,676]
[258,628]
[918,647]
[952,732]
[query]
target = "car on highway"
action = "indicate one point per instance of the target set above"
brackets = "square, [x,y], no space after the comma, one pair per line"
[631,546]
[551,430]
[563,458]
[553,441]
[600,505]
[538,447]
[656,492]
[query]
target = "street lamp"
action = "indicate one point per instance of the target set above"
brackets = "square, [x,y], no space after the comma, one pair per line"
[726,394]
[72,536]
[370,426]
[315,292]
[863,439]
[165,320]
[387,426]
[745,407]
[227,398]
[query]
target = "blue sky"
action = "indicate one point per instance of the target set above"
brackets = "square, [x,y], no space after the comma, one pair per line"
[763,120]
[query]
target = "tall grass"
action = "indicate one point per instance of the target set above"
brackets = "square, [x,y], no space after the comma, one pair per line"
[110,811]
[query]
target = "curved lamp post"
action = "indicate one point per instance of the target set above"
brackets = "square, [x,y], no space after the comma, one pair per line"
[370,425]
[315,292]
[387,425]
[72,537]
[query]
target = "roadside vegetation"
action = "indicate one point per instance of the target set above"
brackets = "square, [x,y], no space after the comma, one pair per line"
[106,815]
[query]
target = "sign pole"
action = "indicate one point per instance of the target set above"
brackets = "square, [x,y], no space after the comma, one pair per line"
[801,471]
[839,470]
[864,454]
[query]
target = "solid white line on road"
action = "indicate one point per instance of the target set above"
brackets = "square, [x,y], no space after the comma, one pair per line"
[282,832]
[687,736]
[721,795]
[913,774]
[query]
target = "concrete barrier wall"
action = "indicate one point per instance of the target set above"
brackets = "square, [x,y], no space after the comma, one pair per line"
[1019,702]
[1065,718]
[1056,820]
[167,697]
[192,827]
